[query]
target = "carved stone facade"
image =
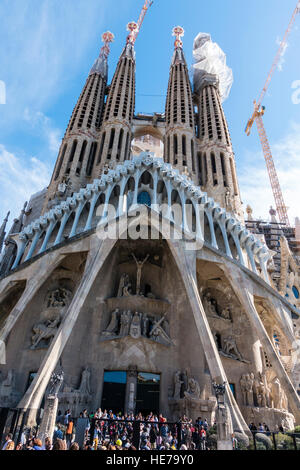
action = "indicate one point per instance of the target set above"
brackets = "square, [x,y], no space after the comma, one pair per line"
[161,316]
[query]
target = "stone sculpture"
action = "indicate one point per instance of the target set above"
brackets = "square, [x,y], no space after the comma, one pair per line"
[9,381]
[185,387]
[8,394]
[135,327]
[193,391]
[258,392]
[278,395]
[125,323]
[139,324]
[177,385]
[246,382]
[44,331]
[139,264]
[112,328]
[230,348]
[158,333]
[58,298]
[226,314]
[124,286]
[55,383]
[84,387]
[224,427]
[210,305]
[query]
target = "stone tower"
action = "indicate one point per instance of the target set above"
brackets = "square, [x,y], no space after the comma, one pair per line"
[2,231]
[136,281]
[180,129]
[9,253]
[215,157]
[115,137]
[78,149]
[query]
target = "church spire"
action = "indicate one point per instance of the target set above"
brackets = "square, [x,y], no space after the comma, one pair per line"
[178,56]
[11,248]
[77,154]
[100,66]
[216,161]
[2,231]
[114,140]
[180,130]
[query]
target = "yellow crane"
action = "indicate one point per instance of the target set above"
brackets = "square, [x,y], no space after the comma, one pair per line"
[257,115]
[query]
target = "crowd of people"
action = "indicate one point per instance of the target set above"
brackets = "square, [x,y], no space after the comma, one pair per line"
[105,430]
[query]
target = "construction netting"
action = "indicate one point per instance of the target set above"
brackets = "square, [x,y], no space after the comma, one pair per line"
[209,58]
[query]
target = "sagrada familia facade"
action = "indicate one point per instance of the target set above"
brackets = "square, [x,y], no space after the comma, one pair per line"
[147,322]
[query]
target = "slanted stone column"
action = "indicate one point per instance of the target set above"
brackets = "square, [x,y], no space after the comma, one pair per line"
[223,419]
[49,418]
[242,291]
[50,411]
[34,394]
[186,263]
[32,287]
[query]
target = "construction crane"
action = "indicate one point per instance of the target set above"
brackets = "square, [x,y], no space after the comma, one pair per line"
[257,115]
[134,27]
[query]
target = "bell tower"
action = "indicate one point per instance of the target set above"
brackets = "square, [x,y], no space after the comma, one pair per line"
[215,157]
[180,128]
[115,137]
[77,154]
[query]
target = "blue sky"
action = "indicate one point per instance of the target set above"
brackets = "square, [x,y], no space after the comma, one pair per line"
[49,46]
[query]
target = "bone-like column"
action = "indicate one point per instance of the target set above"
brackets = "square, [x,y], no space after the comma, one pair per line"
[186,263]
[34,394]
[242,291]
[32,286]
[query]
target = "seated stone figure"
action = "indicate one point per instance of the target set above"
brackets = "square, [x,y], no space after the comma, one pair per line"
[193,391]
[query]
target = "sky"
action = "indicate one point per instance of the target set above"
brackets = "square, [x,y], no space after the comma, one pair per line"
[49,46]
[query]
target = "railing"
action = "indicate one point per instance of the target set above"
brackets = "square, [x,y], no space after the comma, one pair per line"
[268,440]
[13,421]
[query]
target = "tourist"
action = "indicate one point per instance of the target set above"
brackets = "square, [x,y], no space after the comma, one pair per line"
[153,436]
[37,444]
[59,419]
[67,417]
[252,427]
[69,432]
[8,439]
[88,446]
[234,442]
[74,446]
[266,428]
[58,434]
[59,444]
[202,434]
[48,444]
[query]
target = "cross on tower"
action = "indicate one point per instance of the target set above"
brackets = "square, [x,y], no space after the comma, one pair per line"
[133,28]
[178,31]
[107,38]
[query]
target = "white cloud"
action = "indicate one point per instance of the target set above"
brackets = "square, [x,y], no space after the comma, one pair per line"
[2,92]
[19,179]
[43,43]
[44,126]
[281,58]
[254,180]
